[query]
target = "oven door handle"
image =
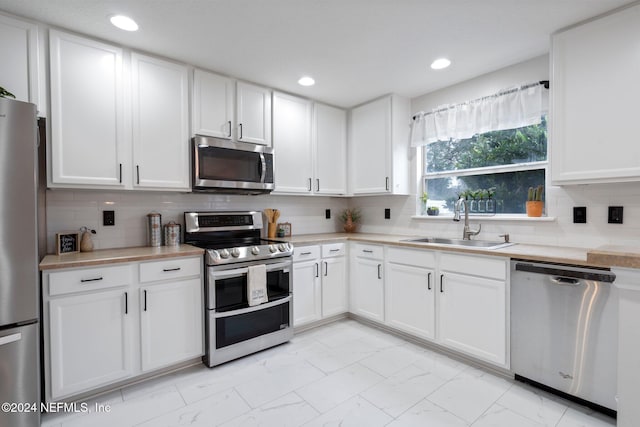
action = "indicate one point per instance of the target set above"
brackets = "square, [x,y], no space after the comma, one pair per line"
[221,274]
[254,308]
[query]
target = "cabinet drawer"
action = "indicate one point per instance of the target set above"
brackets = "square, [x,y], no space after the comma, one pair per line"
[170,268]
[333,249]
[368,251]
[88,279]
[304,253]
[418,258]
[494,268]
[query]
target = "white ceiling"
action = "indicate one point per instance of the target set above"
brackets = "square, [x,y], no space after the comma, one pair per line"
[355,49]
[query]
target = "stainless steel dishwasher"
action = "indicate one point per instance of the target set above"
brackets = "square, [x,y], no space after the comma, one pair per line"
[564,332]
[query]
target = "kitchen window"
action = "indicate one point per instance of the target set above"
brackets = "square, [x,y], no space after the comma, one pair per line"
[500,165]
[489,150]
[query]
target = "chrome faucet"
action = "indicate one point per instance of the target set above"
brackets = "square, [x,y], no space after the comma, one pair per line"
[467,232]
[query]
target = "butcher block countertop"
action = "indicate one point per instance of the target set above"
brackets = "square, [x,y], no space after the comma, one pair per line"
[606,256]
[110,256]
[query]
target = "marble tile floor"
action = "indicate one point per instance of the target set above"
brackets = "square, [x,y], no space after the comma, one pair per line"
[345,374]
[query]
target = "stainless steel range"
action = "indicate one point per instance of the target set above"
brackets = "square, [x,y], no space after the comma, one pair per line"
[248,287]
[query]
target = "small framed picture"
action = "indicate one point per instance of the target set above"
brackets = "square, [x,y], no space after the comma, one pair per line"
[67,243]
[285,227]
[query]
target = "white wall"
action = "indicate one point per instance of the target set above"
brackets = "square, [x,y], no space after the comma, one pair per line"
[68,210]
[559,200]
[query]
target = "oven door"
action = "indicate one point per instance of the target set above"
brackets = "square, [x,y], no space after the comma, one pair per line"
[227,285]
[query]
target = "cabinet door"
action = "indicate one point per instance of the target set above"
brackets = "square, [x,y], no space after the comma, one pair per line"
[306,292]
[593,120]
[330,149]
[213,102]
[171,318]
[292,142]
[18,41]
[334,286]
[90,341]
[371,147]
[410,299]
[87,139]
[472,316]
[367,289]
[160,123]
[253,114]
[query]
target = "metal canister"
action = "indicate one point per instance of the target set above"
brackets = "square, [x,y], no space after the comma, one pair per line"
[154,229]
[172,234]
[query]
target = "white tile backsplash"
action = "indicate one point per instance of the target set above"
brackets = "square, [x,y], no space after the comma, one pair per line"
[68,210]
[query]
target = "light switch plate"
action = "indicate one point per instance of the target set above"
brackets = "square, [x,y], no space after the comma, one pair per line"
[615,214]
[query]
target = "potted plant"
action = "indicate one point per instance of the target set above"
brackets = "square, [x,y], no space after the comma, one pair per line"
[491,205]
[351,218]
[433,211]
[535,205]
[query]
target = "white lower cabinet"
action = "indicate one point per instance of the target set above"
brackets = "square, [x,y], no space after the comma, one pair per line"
[472,306]
[319,283]
[170,323]
[101,326]
[90,340]
[367,283]
[410,302]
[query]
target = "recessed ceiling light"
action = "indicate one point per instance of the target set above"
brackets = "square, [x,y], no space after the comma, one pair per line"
[124,23]
[440,63]
[306,81]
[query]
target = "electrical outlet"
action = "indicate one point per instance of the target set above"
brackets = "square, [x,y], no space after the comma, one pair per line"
[580,215]
[327,213]
[615,214]
[108,218]
[387,213]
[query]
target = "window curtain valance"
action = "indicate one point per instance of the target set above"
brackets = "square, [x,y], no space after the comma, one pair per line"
[509,109]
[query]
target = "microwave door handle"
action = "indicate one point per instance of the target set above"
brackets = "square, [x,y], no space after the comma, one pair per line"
[263,168]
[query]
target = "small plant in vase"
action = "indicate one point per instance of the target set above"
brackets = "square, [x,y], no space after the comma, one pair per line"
[350,218]
[535,205]
[424,199]
[433,211]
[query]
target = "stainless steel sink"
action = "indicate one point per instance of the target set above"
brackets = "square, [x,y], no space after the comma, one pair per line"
[484,244]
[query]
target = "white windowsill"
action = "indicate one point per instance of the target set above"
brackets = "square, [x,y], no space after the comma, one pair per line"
[507,217]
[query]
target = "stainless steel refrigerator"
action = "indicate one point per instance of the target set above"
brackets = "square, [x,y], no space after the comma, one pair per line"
[19,280]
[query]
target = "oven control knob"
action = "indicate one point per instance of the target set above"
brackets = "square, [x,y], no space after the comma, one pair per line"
[224,253]
[273,248]
[255,250]
[283,247]
[235,252]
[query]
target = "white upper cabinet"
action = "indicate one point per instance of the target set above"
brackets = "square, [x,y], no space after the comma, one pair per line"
[253,113]
[379,147]
[330,150]
[213,103]
[87,125]
[594,100]
[20,67]
[292,144]
[160,101]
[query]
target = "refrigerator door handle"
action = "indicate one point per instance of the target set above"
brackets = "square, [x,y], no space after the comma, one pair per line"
[10,338]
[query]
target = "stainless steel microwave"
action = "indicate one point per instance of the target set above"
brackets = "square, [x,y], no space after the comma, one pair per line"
[228,167]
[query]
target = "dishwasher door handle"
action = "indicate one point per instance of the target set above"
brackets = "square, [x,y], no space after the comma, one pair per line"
[565,281]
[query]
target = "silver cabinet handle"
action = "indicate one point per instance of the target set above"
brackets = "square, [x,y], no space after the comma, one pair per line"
[137,174]
[367,251]
[120,166]
[166,270]
[317,270]
[379,271]
[429,281]
[229,128]
[309,184]
[240,125]
[145,300]
[441,282]
[97,279]
[317,185]
[326,268]
[126,303]
[10,338]
[334,250]
[386,183]
[305,253]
